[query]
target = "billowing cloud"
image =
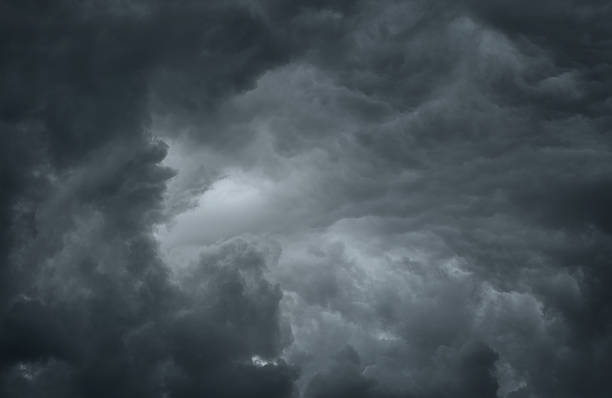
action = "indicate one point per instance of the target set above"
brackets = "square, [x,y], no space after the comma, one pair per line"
[305,199]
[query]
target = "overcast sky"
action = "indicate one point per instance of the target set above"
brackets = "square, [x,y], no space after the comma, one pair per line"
[305,199]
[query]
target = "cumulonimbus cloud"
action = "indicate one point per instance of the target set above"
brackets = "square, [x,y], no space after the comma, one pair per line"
[313,199]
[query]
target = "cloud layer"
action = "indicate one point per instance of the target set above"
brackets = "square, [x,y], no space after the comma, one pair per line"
[305,199]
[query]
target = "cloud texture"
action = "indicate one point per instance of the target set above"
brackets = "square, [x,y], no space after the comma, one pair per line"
[318,199]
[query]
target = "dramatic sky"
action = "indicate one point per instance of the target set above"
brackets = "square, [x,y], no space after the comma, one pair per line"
[305,198]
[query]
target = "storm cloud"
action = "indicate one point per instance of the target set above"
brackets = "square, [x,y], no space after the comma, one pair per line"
[317,199]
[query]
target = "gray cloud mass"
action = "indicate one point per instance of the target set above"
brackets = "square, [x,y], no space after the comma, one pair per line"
[313,199]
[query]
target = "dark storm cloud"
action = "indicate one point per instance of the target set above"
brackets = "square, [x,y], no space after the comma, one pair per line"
[87,307]
[422,188]
[450,166]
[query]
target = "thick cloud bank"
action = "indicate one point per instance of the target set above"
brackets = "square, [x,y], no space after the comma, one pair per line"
[314,199]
